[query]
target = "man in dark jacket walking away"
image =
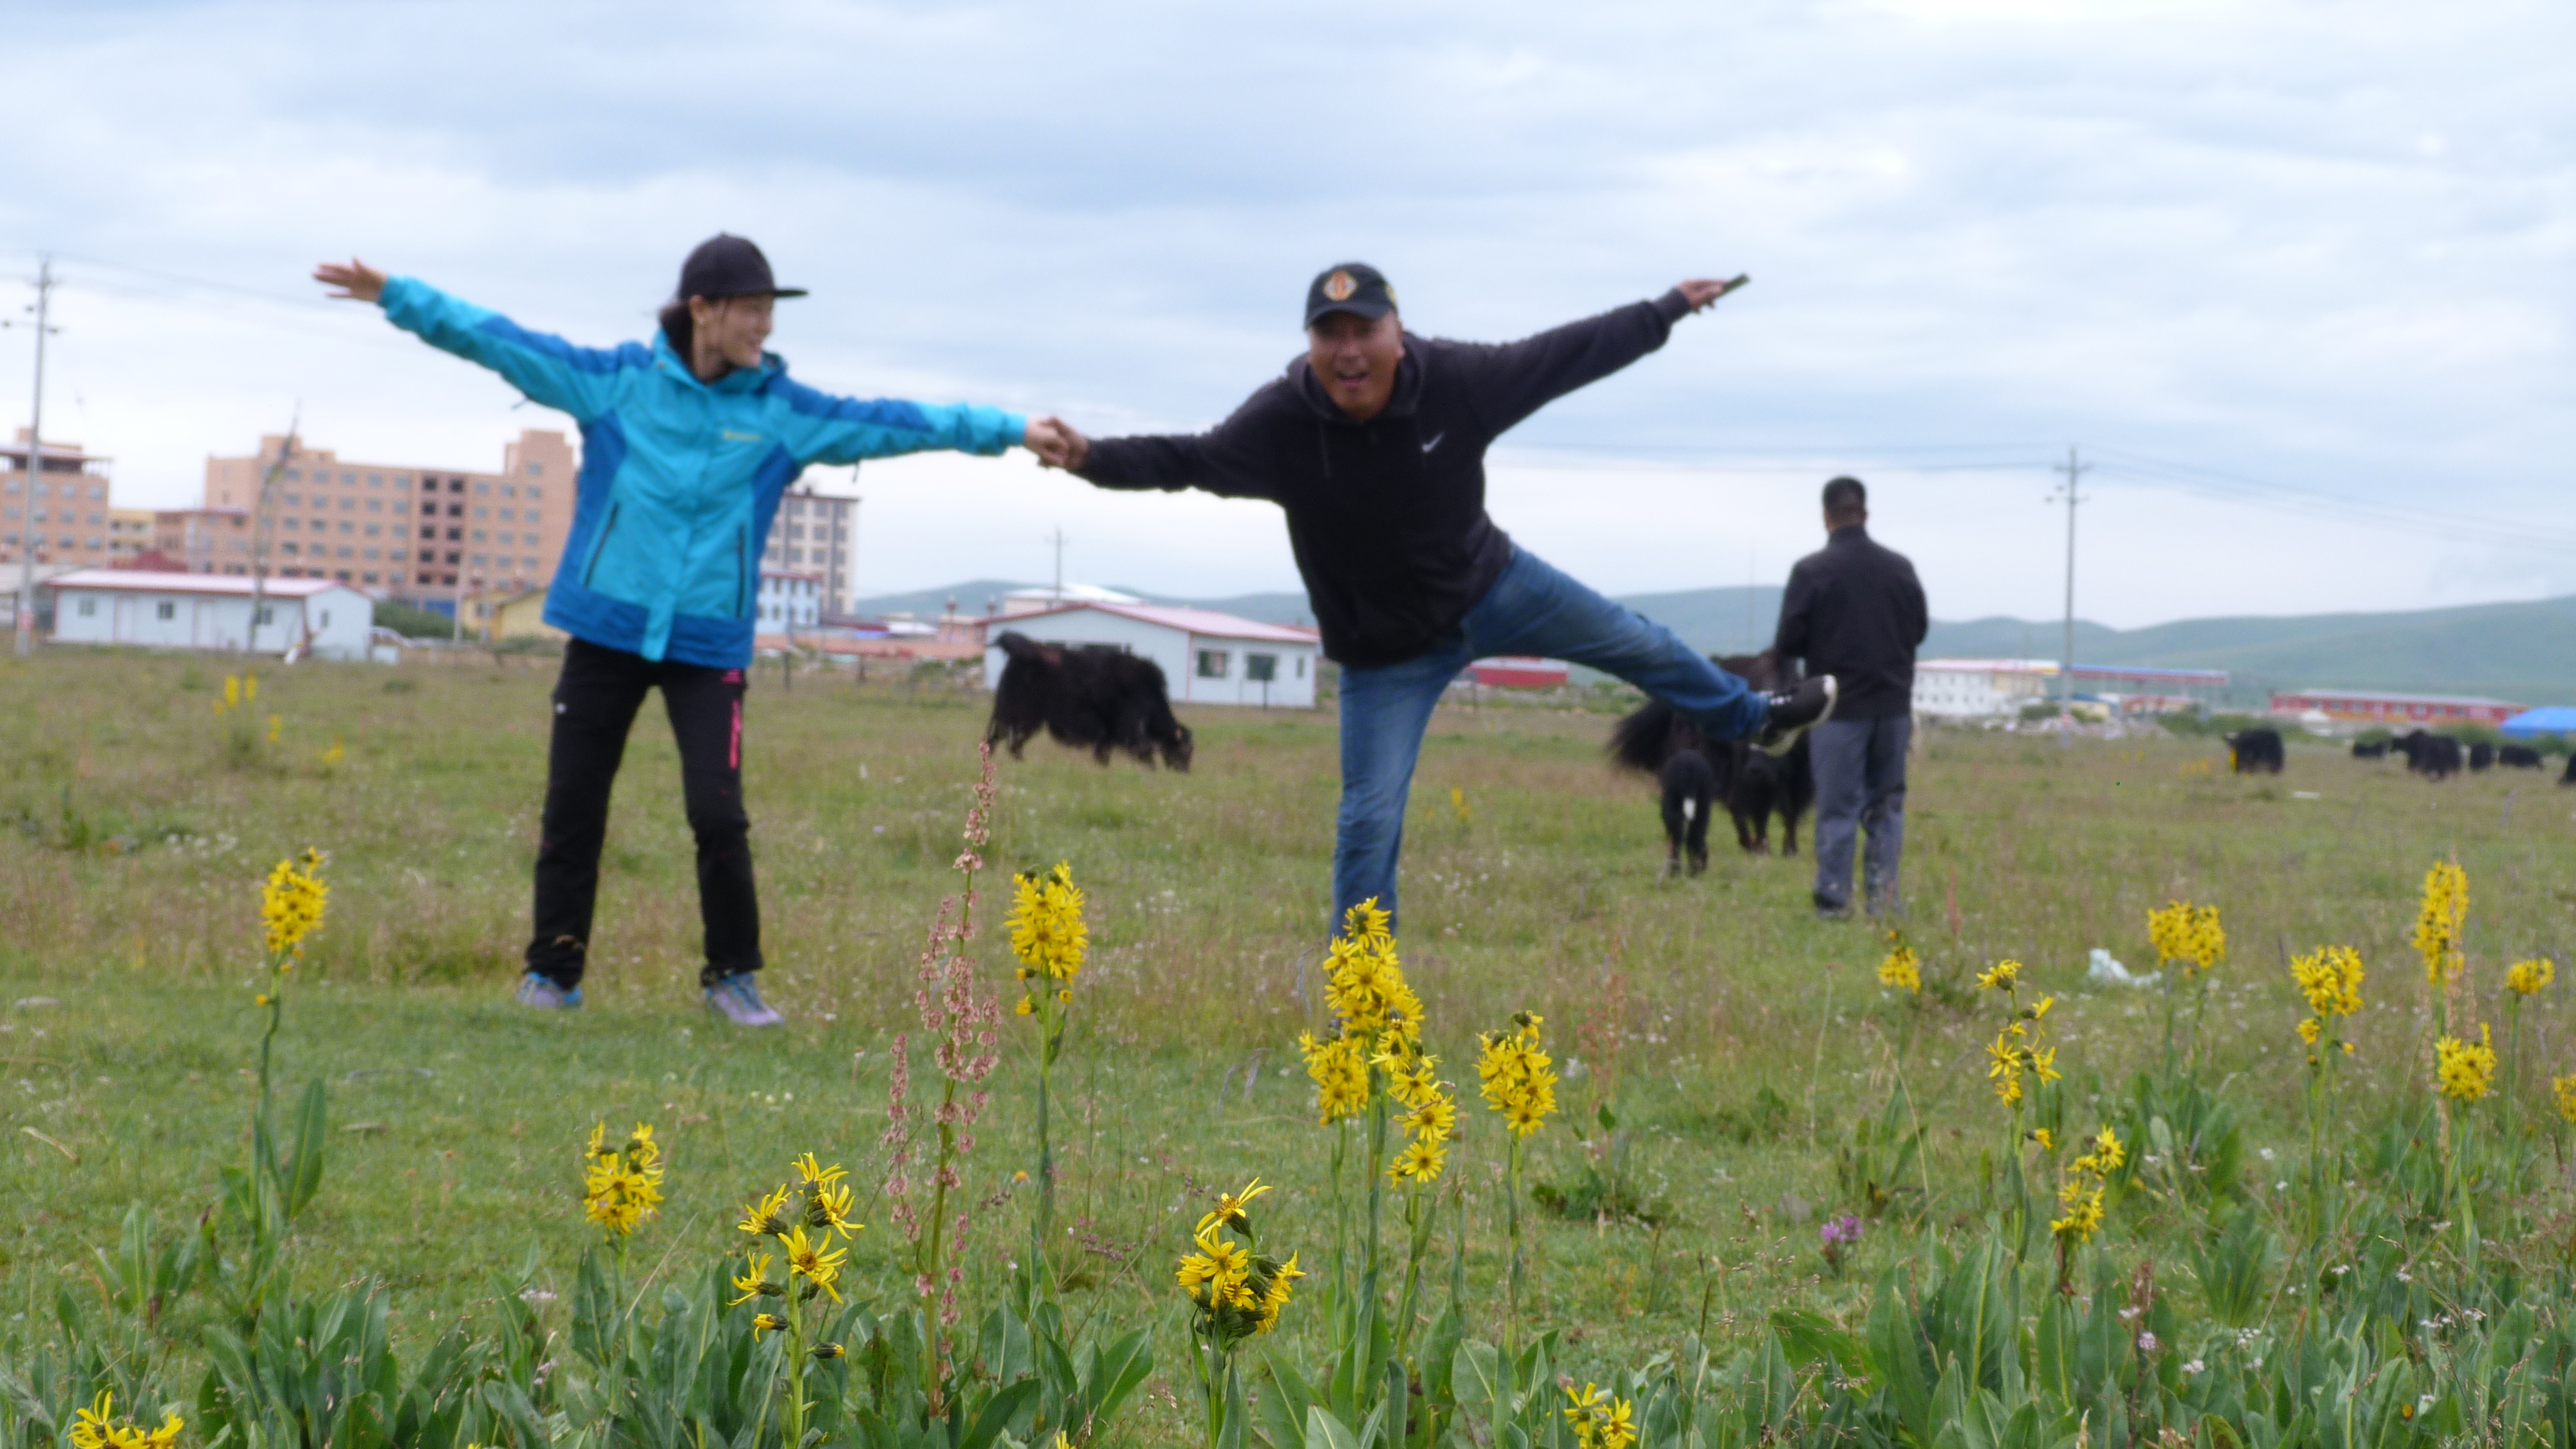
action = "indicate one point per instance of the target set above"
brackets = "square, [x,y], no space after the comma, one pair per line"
[1373,444]
[1855,610]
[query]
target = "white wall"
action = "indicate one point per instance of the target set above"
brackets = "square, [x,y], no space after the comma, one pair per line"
[1292,685]
[183,619]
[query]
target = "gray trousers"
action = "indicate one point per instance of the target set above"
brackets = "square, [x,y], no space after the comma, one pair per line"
[1860,785]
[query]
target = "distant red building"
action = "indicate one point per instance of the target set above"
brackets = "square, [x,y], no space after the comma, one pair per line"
[1516,672]
[2395,709]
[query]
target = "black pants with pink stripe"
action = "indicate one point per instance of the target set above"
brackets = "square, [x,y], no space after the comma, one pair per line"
[595,705]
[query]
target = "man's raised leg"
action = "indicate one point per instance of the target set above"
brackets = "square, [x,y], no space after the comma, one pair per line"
[1535,609]
[1384,712]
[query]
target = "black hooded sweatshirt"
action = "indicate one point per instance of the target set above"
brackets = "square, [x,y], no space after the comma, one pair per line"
[1387,517]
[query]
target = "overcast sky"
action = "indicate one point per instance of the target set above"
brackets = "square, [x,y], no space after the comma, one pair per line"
[2299,276]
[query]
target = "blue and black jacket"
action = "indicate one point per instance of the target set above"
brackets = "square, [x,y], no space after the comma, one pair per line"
[679,477]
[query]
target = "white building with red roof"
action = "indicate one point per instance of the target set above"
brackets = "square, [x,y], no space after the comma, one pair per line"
[1207,657]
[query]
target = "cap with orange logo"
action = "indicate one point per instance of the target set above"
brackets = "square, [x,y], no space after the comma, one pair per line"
[1353,287]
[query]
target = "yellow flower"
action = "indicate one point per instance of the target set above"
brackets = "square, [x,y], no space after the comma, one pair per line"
[1340,1074]
[276,722]
[767,1217]
[1274,1295]
[807,1259]
[2565,1087]
[827,1207]
[232,690]
[754,1282]
[2002,976]
[2330,978]
[810,1171]
[2105,1158]
[2310,1029]
[1229,1209]
[2047,1140]
[2465,1073]
[2526,977]
[767,1323]
[1420,1161]
[2043,1065]
[1215,1276]
[2441,919]
[622,1185]
[1903,970]
[95,1427]
[291,905]
[250,688]
[1600,1422]
[1047,931]
[2083,1209]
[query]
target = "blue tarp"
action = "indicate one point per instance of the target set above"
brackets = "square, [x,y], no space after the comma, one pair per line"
[2554,719]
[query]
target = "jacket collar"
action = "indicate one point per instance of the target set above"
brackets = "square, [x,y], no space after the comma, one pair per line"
[1847,535]
[1406,400]
[740,380]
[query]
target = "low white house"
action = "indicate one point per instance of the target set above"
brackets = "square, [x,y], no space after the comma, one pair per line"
[1207,657]
[1979,688]
[789,601]
[319,617]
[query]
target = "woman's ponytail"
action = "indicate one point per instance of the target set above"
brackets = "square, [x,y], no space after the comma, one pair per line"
[680,328]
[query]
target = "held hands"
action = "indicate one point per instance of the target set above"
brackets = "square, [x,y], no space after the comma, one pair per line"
[1056,443]
[1702,291]
[357,282]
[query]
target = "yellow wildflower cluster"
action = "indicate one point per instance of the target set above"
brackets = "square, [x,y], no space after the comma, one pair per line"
[2442,920]
[1047,933]
[1365,989]
[800,1217]
[2465,1073]
[2188,934]
[239,689]
[96,1427]
[2079,1196]
[1517,1077]
[621,1185]
[1235,1290]
[2565,1088]
[2330,977]
[1903,970]
[2528,978]
[292,903]
[1429,1115]
[2016,1050]
[1600,1421]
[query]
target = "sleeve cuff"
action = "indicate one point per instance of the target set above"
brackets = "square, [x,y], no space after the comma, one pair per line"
[1672,306]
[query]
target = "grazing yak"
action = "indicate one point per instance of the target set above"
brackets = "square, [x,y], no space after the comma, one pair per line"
[1090,696]
[2435,757]
[2375,750]
[1690,793]
[2481,756]
[2255,751]
[1753,786]
[2518,757]
[2570,777]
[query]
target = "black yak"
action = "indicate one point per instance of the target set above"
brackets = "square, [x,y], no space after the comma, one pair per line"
[2518,757]
[2481,756]
[2375,750]
[1690,792]
[2253,751]
[1753,785]
[2435,757]
[1090,696]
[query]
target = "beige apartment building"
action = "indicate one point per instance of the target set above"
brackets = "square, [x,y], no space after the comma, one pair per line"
[65,507]
[816,533]
[424,535]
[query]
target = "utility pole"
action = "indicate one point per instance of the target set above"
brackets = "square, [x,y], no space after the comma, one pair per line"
[35,470]
[259,531]
[1058,540]
[2073,469]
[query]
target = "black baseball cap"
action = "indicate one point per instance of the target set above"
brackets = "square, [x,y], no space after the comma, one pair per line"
[1353,287]
[725,265]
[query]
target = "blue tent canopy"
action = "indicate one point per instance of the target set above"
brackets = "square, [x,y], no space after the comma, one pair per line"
[2553,719]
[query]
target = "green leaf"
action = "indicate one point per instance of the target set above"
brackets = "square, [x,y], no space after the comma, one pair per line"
[304,1168]
[998,1412]
[1323,1431]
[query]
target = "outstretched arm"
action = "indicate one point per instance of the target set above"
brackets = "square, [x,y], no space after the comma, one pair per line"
[578,380]
[1516,379]
[1227,460]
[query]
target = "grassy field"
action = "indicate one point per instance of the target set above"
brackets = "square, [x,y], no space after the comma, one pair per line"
[1737,1039]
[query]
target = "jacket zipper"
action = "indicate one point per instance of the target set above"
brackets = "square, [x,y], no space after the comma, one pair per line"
[596,549]
[741,574]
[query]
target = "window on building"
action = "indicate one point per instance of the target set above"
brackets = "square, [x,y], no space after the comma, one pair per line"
[369,578]
[482,490]
[375,480]
[165,609]
[1301,666]
[456,535]
[536,470]
[88,608]
[1213,663]
[455,485]
[267,615]
[291,474]
[1261,668]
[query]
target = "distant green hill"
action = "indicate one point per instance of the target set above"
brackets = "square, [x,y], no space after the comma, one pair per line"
[2524,652]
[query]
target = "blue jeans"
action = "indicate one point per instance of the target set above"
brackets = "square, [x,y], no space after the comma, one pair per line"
[1531,609]
[1860,784]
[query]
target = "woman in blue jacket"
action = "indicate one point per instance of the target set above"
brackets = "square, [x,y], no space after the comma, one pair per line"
[686,446]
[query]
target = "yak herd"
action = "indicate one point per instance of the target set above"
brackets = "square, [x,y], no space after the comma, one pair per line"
[2435,757]
[1106,700]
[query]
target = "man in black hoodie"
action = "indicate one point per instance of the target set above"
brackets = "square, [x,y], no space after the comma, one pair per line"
[1373,443]
[1855,608]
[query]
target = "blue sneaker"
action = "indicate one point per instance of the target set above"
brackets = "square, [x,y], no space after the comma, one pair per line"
[738,998]
[536,990]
